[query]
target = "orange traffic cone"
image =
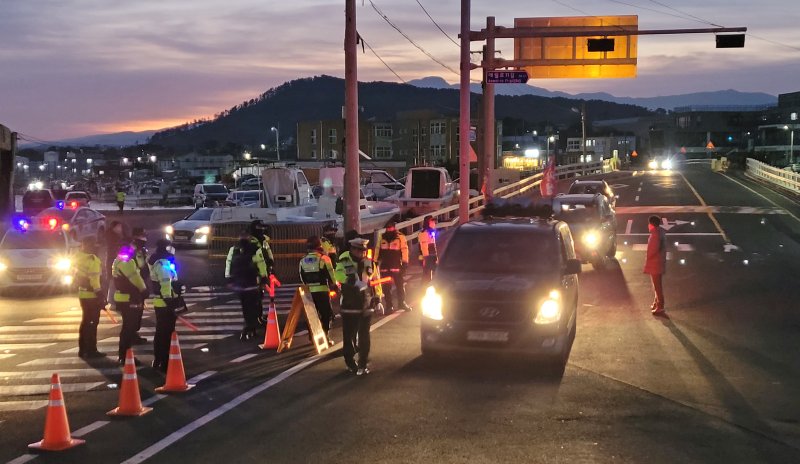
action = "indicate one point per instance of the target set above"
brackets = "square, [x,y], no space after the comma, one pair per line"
[272,336]
[176,377]
[130,402]
[57,436]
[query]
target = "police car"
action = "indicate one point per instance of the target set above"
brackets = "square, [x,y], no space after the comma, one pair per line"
[76,221]
[507,283]
[35,254]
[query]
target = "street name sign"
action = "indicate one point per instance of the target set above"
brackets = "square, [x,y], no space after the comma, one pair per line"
[506,77]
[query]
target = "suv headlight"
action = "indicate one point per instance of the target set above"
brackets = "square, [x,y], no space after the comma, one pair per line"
[653,164]
[666,164]
[205,230]
[169,230]
[550,309]
[590,239]
[62,264]
[432,305]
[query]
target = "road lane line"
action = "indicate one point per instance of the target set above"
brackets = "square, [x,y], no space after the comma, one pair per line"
[64,373]
[4,356]
[710,214]
[25,346]
[6,406]
[111,345]
[26,390]
[762,196]
[682,234]
[59,361]
[23,459]
[628,227]
[201,328]
[244,358]
[210,416]
[89,428]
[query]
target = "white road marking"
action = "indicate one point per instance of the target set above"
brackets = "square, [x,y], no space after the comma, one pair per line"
[23,459]
[201,328]
[89,428]
[214,313]
[684,247]
[76,319]
[244,358]
[182,338]
[41,337]
[199,422]
[153,399]
[64,373]
[37,328]
[22,405]
[698,209]
[639,189]
[57,361]
[26,390]
[676,234]
[629,226]
[138,348]
[4,356]
[25,346]
[219,320]
[762,196]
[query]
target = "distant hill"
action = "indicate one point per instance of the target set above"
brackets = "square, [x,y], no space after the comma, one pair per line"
[322,97]
[668,102]
[118,139]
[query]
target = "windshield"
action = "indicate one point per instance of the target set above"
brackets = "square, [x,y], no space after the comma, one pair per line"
[577,213]
[587,188]
[500,252]
[202,214]
[215,188]
[32,240]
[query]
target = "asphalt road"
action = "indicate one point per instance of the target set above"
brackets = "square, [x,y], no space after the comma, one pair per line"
[715,382]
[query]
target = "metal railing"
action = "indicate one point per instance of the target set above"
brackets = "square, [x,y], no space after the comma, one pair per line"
[780,177]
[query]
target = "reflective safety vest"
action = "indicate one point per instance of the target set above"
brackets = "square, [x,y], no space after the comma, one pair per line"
[316,271]
[120,196]
[163,274]
[392,254]
[355,290]
[127,279]
[427,242]
[87,275]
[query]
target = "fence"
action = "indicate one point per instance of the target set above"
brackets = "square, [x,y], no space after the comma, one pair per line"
[782,178]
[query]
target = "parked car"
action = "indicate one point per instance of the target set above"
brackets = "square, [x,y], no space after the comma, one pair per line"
[209,194]
[77,198]
[593,222]
[36,201]
[504,284]
[77,222]
[194,229]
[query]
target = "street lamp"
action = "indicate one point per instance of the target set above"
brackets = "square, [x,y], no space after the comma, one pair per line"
[247,155]
[582,111]
[124,161]
[277,142]
[88,161]
[791,142]
[263,147]
[552,138]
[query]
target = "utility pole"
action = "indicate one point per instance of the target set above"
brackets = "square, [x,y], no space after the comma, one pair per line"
[464,116]
[583,135]
[351,177]
[488,112]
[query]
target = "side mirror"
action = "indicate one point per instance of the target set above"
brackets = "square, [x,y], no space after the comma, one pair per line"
[573,267]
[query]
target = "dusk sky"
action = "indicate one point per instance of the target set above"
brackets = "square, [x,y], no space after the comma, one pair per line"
[78,67]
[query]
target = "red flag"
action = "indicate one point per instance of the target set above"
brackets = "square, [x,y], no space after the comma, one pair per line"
[548,184]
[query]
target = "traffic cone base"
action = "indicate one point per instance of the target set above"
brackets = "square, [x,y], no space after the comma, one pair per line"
[272,336]
[57,436]
[130,401]
[176,377]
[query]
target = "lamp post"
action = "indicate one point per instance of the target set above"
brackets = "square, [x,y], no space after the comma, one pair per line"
[549,139]
[791,142]
[277,142]
[582,111]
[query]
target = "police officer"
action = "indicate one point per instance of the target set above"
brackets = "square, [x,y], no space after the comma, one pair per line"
[121,200]
[245,268]
[316,271]
[166,301]
[140,255]
[355,272]
[328,241]
[129,295]
[392,256]
[90,293]
[427,248]
[259,237]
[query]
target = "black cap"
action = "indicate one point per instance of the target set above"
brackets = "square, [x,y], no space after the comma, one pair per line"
[163,243]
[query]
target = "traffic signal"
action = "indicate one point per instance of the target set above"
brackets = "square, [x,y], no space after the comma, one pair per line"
[600,45]
[730,40]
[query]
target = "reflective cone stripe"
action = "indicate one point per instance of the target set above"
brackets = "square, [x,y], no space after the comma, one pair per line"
[272,336]
[176,377]
[57,436]
[130,401]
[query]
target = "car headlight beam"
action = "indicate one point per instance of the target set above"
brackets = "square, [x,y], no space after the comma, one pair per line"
[432,305]
[62,264]
[3,266]
[590,239]
[169,230]
[205,230]
[653,164]
[666,164]
[549,309]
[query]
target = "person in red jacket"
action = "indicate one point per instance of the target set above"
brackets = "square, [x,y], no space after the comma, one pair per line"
[656,263]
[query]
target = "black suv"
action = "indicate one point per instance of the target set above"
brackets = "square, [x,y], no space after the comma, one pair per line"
[505,284]
[593,223]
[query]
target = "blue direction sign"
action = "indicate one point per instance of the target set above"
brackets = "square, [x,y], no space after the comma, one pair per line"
[506,77]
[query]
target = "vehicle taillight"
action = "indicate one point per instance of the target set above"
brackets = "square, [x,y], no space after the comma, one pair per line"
[73,204]
[52,223]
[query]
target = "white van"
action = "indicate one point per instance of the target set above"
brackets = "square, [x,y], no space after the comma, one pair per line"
[209,194]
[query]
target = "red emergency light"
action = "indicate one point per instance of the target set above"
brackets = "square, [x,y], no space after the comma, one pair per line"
[73,204]
[51,222]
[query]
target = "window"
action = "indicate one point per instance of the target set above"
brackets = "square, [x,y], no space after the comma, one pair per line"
[383,130]
[438,127]
[331,136]
[313,136]
[422,131]
[438,151]
[313,154]
[382,152]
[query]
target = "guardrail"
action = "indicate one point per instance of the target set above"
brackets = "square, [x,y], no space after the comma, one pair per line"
[782,178]
[448,217]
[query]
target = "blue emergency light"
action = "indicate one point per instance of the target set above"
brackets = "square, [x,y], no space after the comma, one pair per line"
[60,204]
[22,224]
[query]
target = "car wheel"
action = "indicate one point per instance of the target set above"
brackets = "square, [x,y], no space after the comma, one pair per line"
[555,365]
[599,264]
[612,252]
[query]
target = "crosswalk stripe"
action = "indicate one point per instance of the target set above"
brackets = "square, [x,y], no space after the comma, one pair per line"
[59,361]
[4,356]
[41,337]
[63,373]
[22,405]
[138,349]
[24,346]
[181,328]
[43,389]
[205,313]
[64,319]
[226,306]
[36,328]
[183,337]
[219,320]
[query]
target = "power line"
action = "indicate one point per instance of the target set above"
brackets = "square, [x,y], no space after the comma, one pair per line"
[381,59]
[688,15]
[389,22]
[437,25]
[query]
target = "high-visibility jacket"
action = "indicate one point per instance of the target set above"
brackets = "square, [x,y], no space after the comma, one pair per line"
[392,254]
[121,196]
[260,268]
[87,274]
[329,249]
[141,262]
[427,242]
[163,273]
[347,265]
[127,279]
[355,277]
[316,271]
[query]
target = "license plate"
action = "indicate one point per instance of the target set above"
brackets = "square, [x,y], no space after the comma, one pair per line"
[179,238]
[487,336]
[29,277]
